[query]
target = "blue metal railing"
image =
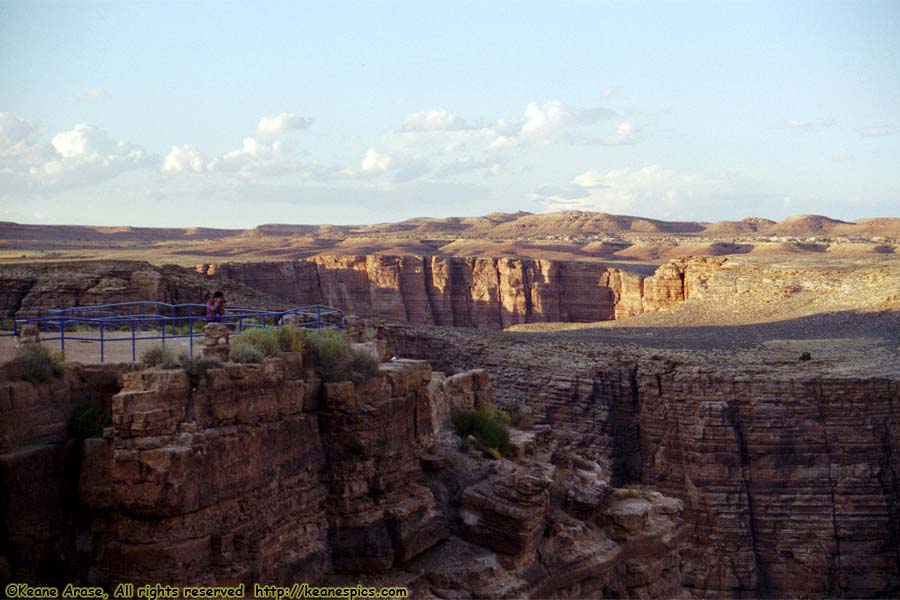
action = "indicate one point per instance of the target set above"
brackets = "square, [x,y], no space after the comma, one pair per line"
[160,321]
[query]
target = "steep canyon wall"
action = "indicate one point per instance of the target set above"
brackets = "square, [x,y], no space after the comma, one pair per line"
[483,292]
[790,477]
[262,473]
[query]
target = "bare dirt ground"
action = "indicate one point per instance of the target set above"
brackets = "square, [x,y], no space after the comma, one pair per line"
[117,347]
[844,311]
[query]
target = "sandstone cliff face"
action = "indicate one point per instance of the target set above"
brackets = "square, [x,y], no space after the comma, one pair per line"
[789,477]
[483,292]
[26,289]
[39,469]
[261,473]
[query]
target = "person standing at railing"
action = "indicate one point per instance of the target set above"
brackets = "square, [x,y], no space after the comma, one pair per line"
[215,307]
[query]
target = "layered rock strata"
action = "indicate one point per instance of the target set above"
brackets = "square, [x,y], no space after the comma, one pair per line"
[262,473]
[39,468]
[789,475]
[484,292]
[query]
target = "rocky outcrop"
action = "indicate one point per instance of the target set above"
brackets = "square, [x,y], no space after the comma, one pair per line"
[789,476]
[26,289]
[490,293]
[262,473]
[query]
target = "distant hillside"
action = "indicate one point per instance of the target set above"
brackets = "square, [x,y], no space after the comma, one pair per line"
[570,235]
[494,225]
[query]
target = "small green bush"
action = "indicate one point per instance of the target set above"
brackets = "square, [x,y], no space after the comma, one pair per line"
[263,339]
[160,356]
[87,422]
[291,339]
[487,425]
[335,360]
[36,364]
[245,353]
[806,356]
[271,340]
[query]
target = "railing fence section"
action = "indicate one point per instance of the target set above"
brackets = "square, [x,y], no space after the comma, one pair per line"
[125,322]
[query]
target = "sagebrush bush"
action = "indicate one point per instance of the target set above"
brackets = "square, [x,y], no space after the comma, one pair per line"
[806,356]
[271,340]
[245,353]
[291,339]
[160,356]
[263,339]
[335,360]
[87,421]
[37,364]
[489,426]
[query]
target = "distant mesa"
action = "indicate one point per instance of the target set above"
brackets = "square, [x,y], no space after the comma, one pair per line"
[566,235]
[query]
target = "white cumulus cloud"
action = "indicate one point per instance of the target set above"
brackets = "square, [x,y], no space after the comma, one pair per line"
[552,122]
[650,190]
[375,162]
[280,124]
[256,157]
[185,158]
[82,155]
[86,154]
[434,120]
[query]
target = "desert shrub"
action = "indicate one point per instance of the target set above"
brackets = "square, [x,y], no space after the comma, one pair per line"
[160,356]
[369,333]
[363,365]
[271,340]
[245,353]
[37,364]
[197,366]
[806,356]
[487,425]
[87,422]
[290,339]
[263,339]
[335,360]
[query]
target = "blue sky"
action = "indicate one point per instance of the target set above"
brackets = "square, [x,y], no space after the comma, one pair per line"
[236,114]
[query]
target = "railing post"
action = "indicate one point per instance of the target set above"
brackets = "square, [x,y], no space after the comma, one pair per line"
[318,316]
[62,335]
[133,344]
[163,319]
[191,335]
[101,341]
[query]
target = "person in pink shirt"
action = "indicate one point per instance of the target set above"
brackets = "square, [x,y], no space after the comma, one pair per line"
[215,307]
